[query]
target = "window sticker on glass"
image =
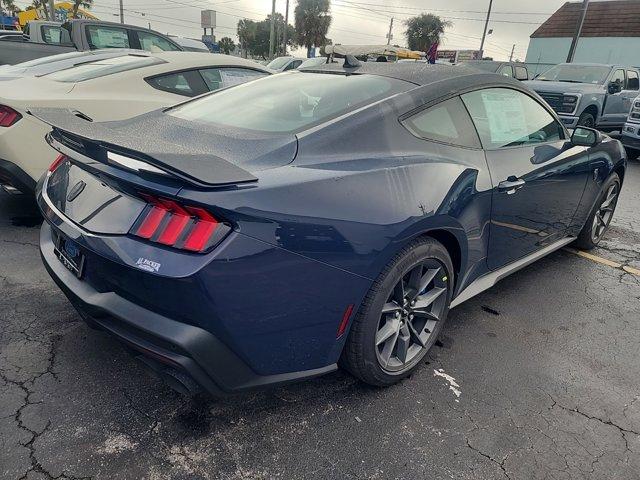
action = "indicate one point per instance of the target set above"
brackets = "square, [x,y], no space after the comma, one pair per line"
[505,114]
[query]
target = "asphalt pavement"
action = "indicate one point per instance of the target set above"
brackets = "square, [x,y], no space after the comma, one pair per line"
[537,378]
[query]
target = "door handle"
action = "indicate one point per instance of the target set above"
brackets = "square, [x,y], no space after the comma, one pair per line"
[510,185]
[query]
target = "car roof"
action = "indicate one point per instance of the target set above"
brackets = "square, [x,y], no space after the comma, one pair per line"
[421,74]
[191,59]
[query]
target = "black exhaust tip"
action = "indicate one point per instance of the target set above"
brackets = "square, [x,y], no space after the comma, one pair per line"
[174,378]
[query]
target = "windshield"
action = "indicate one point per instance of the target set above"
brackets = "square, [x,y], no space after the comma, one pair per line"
[594,74]
[290,102]
[101,68]
[279,62]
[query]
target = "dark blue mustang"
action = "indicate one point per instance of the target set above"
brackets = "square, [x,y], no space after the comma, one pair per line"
[275,230]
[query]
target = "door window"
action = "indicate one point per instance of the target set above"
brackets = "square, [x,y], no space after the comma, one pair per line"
[217,78]
[509,118]
[521,73]
[294,64]
[101,36]
[55,35]
[446,122]
[632,80]
[618,77]
[154,43]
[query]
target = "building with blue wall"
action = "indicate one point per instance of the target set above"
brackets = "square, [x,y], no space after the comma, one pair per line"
[610,34]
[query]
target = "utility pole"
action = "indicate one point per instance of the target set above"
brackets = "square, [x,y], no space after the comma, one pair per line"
[272,34]
[512,50]
[121,12]
[484,34]
[286,25]
[52,11]
[576,36]
[389,35]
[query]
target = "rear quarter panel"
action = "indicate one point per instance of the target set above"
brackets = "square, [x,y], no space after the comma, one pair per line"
[360,189]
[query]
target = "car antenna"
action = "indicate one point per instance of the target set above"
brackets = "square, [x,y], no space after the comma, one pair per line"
[351,62]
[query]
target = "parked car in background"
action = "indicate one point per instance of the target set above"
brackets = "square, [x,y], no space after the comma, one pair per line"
[50,38]
[589,94]
[108,89]
[283,64]
[252,237]
[508,69]
[316,62]
[53,63]
[631,131]
[190,44]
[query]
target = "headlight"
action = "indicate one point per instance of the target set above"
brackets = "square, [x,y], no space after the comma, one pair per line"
[570,99]
[636,105]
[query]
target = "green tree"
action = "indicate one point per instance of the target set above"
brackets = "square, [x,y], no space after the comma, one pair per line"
[246,34]
[8,7]
[226,45]
[312,21]
[254,36]
[80,3]
[424,30]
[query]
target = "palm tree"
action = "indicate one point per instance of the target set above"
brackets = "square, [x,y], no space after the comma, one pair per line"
[80,3]
[312,22]
[226,45]
[8,6]
[424,30]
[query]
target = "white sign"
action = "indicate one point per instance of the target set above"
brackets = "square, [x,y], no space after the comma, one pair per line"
[208,18]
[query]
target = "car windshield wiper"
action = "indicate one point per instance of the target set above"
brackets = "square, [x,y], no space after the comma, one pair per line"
[570,81]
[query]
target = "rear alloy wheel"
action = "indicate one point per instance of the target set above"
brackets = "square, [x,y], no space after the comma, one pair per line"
[604,213]
[598,222]
[402,315]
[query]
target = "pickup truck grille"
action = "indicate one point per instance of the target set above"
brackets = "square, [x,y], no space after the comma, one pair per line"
[553,99]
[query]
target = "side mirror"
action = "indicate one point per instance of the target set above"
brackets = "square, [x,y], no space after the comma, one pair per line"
[615,87]
[585,137]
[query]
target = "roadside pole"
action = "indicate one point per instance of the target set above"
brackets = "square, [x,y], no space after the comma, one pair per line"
[121,12]
[512,50]
[272,34]
[576,36]
[52,11]
[486,26]
[389,35]
[286,25]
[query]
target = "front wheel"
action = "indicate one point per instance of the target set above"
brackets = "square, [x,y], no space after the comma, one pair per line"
[402,315]
[587,120]
[600,218]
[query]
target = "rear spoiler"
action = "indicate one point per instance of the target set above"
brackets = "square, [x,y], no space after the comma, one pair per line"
[132,150]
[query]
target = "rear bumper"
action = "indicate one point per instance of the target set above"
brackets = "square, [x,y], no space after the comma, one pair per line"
[11,174]
[173,344]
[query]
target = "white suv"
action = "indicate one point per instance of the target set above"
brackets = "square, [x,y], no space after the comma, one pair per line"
[631,130]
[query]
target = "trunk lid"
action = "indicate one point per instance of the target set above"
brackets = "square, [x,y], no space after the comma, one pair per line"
[194,153]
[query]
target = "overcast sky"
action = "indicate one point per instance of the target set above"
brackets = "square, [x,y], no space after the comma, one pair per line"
[354,21]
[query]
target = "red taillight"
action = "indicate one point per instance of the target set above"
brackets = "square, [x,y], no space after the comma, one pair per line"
[57,162]
[169,223]
[8,116]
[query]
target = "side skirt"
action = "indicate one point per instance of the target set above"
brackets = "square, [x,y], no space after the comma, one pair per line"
[490,279]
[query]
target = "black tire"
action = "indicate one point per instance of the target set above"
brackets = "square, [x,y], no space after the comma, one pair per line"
[587,119]
[632,153]
[413,265]
[588,238]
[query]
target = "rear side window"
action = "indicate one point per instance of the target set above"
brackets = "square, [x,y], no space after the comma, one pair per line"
[521,73]
[217,78]
[55,35]
[506,70]
[632,80]
[101,68]
[154,43]
[100,36]
[186,83]
[446,122]
[509,118]
[293,64]
[289,102]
